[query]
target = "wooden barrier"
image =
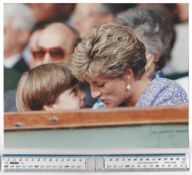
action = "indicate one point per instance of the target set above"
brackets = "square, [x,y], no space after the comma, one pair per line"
[91,118]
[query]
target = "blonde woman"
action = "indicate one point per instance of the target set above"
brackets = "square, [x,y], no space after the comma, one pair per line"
[112,60]
[49,87]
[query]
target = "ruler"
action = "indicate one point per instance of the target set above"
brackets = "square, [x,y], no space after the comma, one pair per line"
[94,163]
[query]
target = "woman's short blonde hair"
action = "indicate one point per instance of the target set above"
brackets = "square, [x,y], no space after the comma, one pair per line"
[109,51]
[42,85]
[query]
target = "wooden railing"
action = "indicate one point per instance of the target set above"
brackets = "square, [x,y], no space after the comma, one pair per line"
[93,118]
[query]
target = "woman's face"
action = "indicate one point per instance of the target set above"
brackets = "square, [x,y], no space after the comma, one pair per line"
[111,91]
[70,99]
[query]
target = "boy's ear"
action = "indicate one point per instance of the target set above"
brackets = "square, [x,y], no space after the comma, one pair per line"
[48,107]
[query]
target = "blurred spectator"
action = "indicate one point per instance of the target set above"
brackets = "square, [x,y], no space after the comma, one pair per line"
[168,10]
[18,22]
[182,12]
[176,13]
[89,15]
[179,65]
[32,45]
[47,13]
[55,42]
[173,12]
[155,32]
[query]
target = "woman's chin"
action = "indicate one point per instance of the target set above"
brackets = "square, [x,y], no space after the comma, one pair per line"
[109,105]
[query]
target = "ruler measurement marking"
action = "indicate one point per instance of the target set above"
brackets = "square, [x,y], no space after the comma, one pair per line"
[102,162]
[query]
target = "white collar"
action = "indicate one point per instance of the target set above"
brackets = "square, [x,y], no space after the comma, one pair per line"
[12,60]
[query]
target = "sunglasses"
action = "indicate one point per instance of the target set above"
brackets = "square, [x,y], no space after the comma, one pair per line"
[56,53]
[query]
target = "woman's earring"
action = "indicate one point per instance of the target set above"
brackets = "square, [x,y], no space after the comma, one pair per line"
[128,87]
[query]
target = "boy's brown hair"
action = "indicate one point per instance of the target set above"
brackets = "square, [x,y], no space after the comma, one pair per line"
[42,85]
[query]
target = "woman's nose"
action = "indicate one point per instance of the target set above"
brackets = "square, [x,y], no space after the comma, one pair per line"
[95,93]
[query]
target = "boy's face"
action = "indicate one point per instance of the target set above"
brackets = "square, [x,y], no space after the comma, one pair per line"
[70,99]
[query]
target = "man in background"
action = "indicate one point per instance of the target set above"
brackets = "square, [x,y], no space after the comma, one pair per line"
[89,15]
[56,42]
[18,23]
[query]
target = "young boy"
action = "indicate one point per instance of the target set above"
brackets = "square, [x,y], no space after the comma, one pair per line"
[49,87]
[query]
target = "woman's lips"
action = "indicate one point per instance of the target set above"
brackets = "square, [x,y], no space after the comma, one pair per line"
[105,102]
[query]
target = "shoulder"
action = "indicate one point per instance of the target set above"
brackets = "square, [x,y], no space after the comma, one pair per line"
[168,92]
[162,83]
[164,92]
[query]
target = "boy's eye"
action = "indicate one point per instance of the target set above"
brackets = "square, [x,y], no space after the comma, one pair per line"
[74,91]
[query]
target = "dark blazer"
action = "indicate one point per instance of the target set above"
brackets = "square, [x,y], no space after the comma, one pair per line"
[21,66]
[11,78]
[12,75]
[10,101]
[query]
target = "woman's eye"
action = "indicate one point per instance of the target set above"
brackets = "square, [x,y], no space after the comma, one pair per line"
[73,91]
[100,84]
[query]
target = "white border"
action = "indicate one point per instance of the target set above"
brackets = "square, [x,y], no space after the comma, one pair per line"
[1,80]
[96,151]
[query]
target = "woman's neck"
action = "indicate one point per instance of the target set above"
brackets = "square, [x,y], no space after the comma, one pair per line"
[137,89]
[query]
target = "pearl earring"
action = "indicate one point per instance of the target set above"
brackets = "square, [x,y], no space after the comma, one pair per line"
[128,87]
